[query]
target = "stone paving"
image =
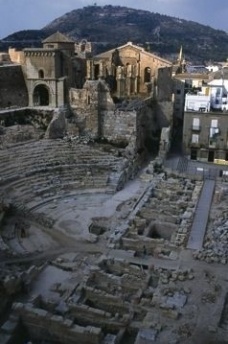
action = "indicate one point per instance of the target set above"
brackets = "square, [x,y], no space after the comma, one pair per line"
[199,226]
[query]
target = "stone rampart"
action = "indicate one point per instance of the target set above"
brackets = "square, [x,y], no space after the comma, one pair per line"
[13,91]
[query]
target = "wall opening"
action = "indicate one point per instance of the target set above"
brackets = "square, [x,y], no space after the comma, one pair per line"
[147,74]
[96,71]
[193,154]
[211,154]
[161,230]
[41,96]
[41,74]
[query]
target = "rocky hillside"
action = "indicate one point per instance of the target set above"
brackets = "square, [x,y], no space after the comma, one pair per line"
[115,25]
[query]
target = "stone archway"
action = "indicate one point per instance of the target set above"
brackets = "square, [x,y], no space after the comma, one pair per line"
[41,96]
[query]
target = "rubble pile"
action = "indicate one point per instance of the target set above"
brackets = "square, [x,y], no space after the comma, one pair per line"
[215,248]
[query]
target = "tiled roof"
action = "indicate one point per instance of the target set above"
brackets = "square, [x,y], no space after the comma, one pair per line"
[57,37]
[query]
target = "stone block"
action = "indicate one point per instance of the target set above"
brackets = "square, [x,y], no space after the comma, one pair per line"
[146,336]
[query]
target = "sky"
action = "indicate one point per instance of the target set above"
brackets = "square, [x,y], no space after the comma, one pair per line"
[19,15]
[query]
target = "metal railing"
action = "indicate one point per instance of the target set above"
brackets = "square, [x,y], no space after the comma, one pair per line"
[197,170]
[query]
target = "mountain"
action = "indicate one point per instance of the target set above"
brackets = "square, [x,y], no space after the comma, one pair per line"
[116,25]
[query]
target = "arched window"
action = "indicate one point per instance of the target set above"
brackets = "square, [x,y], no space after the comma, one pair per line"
[147,74]
[83,48]
[41,74]
[83,45]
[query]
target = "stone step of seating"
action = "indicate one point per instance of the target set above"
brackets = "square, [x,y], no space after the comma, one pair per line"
[27,193]
[34,165]
[34,181]
[59,171]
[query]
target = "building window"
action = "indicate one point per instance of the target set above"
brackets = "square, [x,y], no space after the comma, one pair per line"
[195,138]
[41,74]
[218,92]
[196,124]
[214,123]
[83,47]
[214,130]
[178,91]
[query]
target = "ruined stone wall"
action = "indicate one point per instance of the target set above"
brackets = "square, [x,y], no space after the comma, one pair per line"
[89,105]
[78,98]
[164,113]
[134,62]
[44,325]
[165,84]
[119,126]
[23,124]
[154,63]
[13,91]
[4,58]
[164,97]
[85,108]
[16,56]
[148,129]
[135,123]
[79,72]
[94,111]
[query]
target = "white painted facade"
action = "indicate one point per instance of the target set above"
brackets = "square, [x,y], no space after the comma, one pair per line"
[197,102]
[214,96]
[213,68]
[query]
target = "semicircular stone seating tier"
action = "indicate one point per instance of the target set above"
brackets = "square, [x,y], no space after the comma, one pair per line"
[34,171]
